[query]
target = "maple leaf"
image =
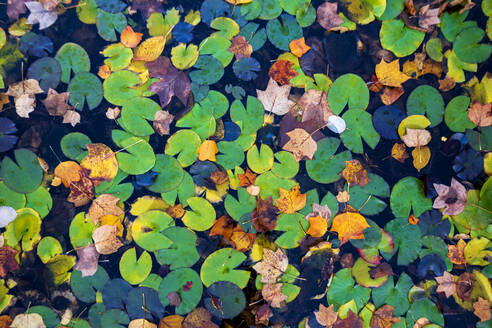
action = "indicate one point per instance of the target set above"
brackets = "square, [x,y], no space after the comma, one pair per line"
[147,7]
[172,82]
[103,205]
[351,321]
[71,117]
[464,286]
[398,152]
[456,253]
[428,17]
[327,16]
[162,122]
[40,15]
[383,317]
[315,106]
[290,201]
[451,198]
[349,225]
[88,260]
[480,114]
[106,240]
[326,316]
[264,217]
[482,309]
[389,74]
[416,137]
[223,226]
[246,179]
[354,173]
[281,71]
[207,151]
[16,8]
[390,95]
[275,98]
[272,266]
[301,144]
[56,103]
[272,293]
[447,285]
[240,47]
[7,260]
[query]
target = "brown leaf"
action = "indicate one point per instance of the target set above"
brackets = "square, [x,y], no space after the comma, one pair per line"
[240,47]
[7,260]
[103,205]
[290,201]
[241,240]
[299,47]
[390,95]
[465,284]
[382,270]
[106,240]
[171,321]
[447,285]
[352,321]
[347,260]
[272,293]
[315,106]
[416,137]
[5,321]
[327,16]
[275,98]
[452,198]
[428,17]
[81,192]
[71,117]
[219,177]
[354,173]
[199,318]
[301,144]
[383,317]
[29,86]
[456,253]
[141,323]
[343,196]
[264,217]
[88,260]
[247,178]
[482,309]
[398,152]
[177,211]
[56,103]
[162,122]
[272,266]
[480,114]
[263,314]
[223,226]
[281,71]
[326,316]
[446,84]
[174,299]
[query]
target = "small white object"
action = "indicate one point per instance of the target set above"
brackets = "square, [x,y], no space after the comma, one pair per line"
[336,124]
[7,215]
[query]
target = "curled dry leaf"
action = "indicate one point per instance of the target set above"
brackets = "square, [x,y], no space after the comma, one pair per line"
[275,98]
[71,117]
[24,105]
[464,286]
[106,240]
[428,17]
[162,122]
[327,16]
[326,316]
[81,192]
[290,201]
[456,252]
[113,113]
[103,205]
[240,47]
[421,322]
[272,293]
[451,198]
[88,260]
[354,173]
[315,106]
[482,309]
[446,284]
[301,144]
[343,196]
[416,137]
[272,266]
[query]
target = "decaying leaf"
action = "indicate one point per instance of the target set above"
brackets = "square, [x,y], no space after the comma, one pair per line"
[315,106]
[199,318]
[71,117]
[416,137]
[81,192]
[162,122]
[101,162]
[351,321]
[354,173]
[399,152]
[327,16]
[264,217]
[464,286]
[428,17]
[390,95]
[88,260]
[103,205]
[68,172]
[290,201]
[28,320]
[281,71]
[480,114]
[446,284]
[40,15]
[141,323]
[343,196]
[451,198]
[456,252]
[247,178]
[29,86]
[171,321]
[207,151]
[24,105]
[301,144]
[113,112]
[56,103]
[275,98]
[382,270]
[272,266]
[482,309]
[7,260]
[326,316]
[106,240]
[383,317]
[129,38]
[421,157]
[150,49]
[240,47]
[349,225]
[299,47]
[272,293]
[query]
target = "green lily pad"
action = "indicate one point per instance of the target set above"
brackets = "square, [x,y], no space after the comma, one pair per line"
[231,297]
[216,102]
[147,228]
[452,24]
[244,205]
[287,166]
[152,281]
[398,38]
[372,236]
[120,86]
[87,13]
[269,184]
[218,47]
[261,161]
[179,281]
[457,67]
[394,295]
[135,114]
[114,319]
[424,308]
[114,187]
[25,174]
[219,266]
[406,238]
[184,191]
[84,87]
[209,70]
[467,46]
[185,143]
[249,119]
[363,11]
[393,9]
[231,154]
[342,290]
[366,199]
[169,174]
[25,228]
[433,48]
[282,32]
[73,145]
[256,37]
[408,194]
[72,58]
[40,200]
[183,56]
[359,126]
[456,114]
[425,99]
[119,56]
[270,9]
[138,156]
[349,89]
[107,23]
[326,166]
[251,10]
[360,271]
[435,245]
[48,248]
[50,317]
[305,14]
[47,71]
[200,119]
[202,214]
[295,227]
[132,270]
[80,230]
[11,198]
[227,27]
[182,252]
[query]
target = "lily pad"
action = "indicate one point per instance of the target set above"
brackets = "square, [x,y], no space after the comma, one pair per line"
[72,58]
[73,145]
[359,126]
[209,70]
[47,71]
[182,252]
[467,46]
[249,119]
[260,161]
[85,87]
[226,27]
[119,56]
[142,301]
[183,56]
[7,140]
[282,31]
[456,114]
[406,238]
[287,166]
[326,166]
[219,266]
[269,184]
[185,144]
[186,283]
[202,215]
[231,154]
[107,23]
[25,229]
[386,120]
[80,230]
[138,157]
[342,290]
[200,119]
[398,38]
[348,89]
[115,292]
[243,205]
[360,271]
[218,47]
[231,298]
[85,288]
[119,87]
[11,198]
[135,270]
[367,199]
[147,230]
[25,174]
[135,114]
[407,195]
[394,295]
[426,100]
[295,227]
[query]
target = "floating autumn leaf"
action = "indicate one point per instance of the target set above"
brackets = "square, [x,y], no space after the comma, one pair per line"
[456,252]
[412,219]
[38,14]
[275,98]
[315,107]
[290,201]
[162,122]
[219,177]
[281,71]
[389,74]
[464,286]
[301,144]
[451,198]
[71,117]
[421,157]
[253,190]
[299,47]
[264,217]
[480,114]
[241,240]
[104,71]
[416,137]
[68,172]
[130,38]
[343,196]
[383,317]
[416,68]
[354,173]
[106,240]
[29,86]
[81,192]
[351,321]
[399,152]
[482,309]
[272,265]
[428,17]
[446,284]
[327,16]
[177,211]
[113,113]
[150,49]
[349,225]
[24,105]
[317,226]
[240,47]
[320,210]
[56,103]
[141,323]
[50,4]
[326,316]
[272,293]
[382,270]
[207,151]
[103,205]
[101,162]
[7,260]
[171,321]
[198,318]
[390,95]
[5,321]
[238,2]
[446,84]
[247,178]
[88,260]
[28,320]
[223,226]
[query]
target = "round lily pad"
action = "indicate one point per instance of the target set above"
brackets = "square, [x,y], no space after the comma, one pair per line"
[188,287]
[142,301]
[348,89]
[73,145]
[40,200]
[182,252]
[426,100]
[112,6]
[72,58]
[80,230]
[367,199]
[138,156]
[269,184]
[359,127]
[201,217]
[47,248]
[218,47]
[243,205]
[360,271]
[408,194]
[25,174]
[47,71]
[169,174]
[386,120]
[120,87]
[433,48]
[50,317]
[135,114]
[326,166]
[456,114]
[85,288]
[260,161]
[147,228]
[398,38]
[219,266]
[185,143]
[282,31]
[230,297]
[84,87]
[7,140]
[467,46]
[11,198]
[119,56]
[287,166]
[25,229]
[135,270]
[209,70]
[183,56]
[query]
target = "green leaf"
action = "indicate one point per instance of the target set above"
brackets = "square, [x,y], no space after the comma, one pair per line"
[436,245]
[295,227]
[456,114]
[255,37]
[170,174]
[348,89]
[326,166]
[84,87]
[366,199]
[200,119]
[175,281]
[121,190]
[215,102]
[231,154]
[269,184]
[359,126]
[11,198]
[107,23]
[453,24]
[119,56]
[261,161]
[184,191]
[135,114]
[424,308]
[476,214]
[186,144]
[363,11]
[270,9]
[342,290]
[202,214]
[80,230]
[306,15]
[48,248]
[47,71]
[227,27]
[182,252]
[433,48]
[147,228]
[40,200]
[183,56]
[425,99]
[456,67]
[209,70]
[360,271]
[282,33]
[132,270]
[119,87]
[408,194]
[73,145]
[396,296]
[393,9]
[25,174]
[249,119]
[88,12]
[50,317]
[406,238]
[114,319]
[85,288]
[467,46]
[218,47]
[138,157]
[219,266]
[287,166]
[398,38]
[244,205]
[72,57]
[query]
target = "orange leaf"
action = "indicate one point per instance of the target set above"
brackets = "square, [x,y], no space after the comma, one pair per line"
[421,157]
[317,226]
[281,71]
[290,201]
[223,226]
[349,225]
[399,152]
[246,179]
[390,95]
[171,321]
[299,47]
[241,240]
[412,219]
[130,38]
[482,309]
[68,172]
[207,151]
[456,253]
[104,72]
[354,173]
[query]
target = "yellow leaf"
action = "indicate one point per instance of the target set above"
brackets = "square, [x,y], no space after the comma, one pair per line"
[207,151]
[317,226]
[389,73]
[354,173]
[290,201]
[68,172]
[101,162]
[238,2]
[171,321]
[349,225]
[398,152]
[113,220]
[150,49]
[421,157]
